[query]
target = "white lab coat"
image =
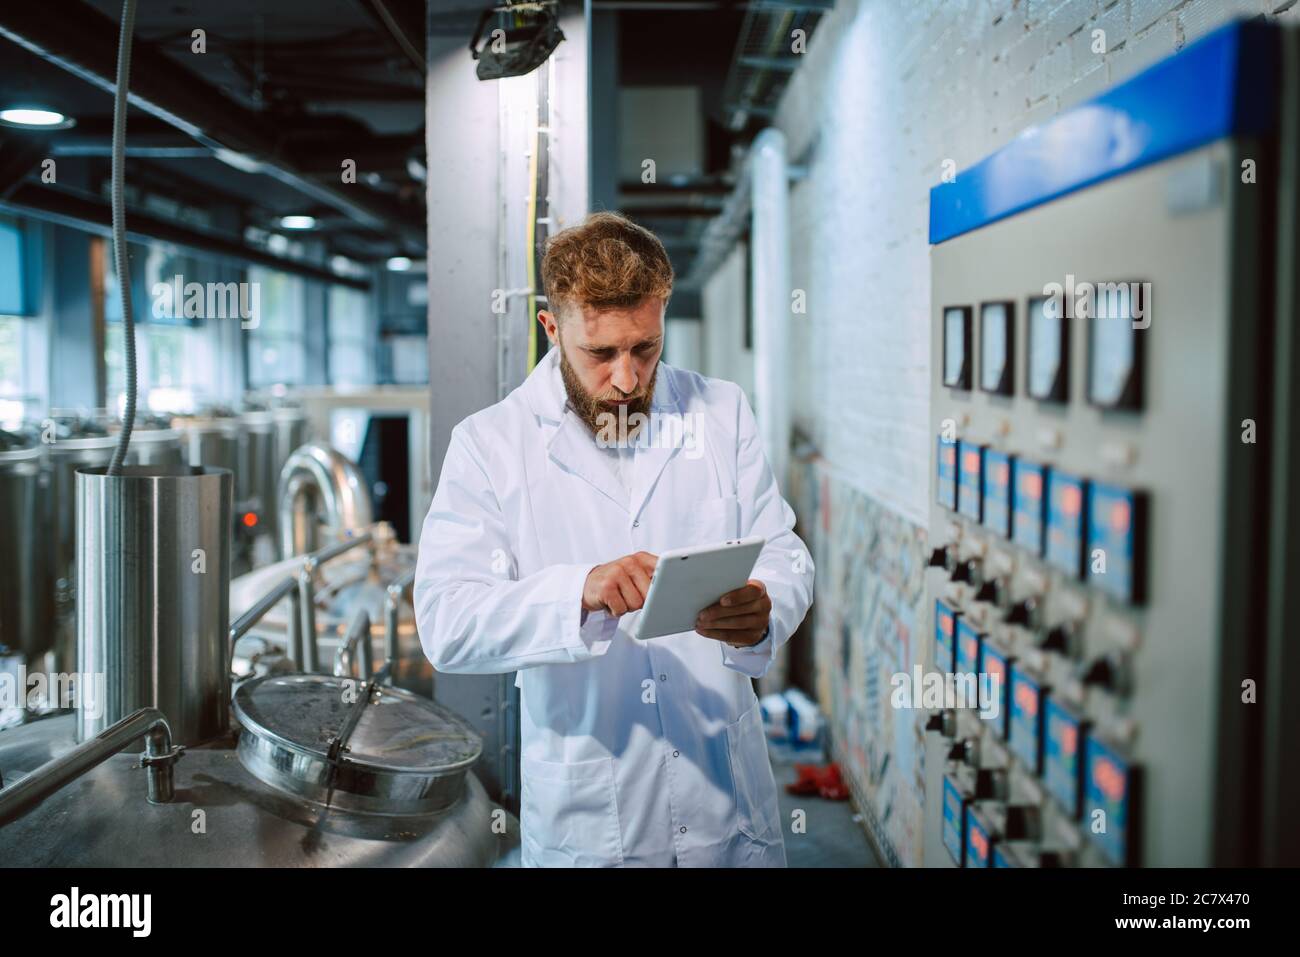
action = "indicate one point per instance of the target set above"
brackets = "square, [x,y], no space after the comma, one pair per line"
[633,752]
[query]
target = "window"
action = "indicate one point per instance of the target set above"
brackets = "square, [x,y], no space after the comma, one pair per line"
[276,347]
[350,345]
[176,361]
[16,400]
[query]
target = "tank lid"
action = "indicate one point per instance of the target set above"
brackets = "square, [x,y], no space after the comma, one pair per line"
[353,745]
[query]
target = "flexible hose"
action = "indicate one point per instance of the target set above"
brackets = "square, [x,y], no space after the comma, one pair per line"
[119,230]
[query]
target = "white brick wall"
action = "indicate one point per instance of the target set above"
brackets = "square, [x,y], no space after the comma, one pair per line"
[890,89]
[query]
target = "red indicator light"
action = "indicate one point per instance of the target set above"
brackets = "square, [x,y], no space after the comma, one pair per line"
[1119,517]
[1026,699]
[979,843]
[1002,474]
[250,519]
[1109,778]
[946,624]
[1071,499]
[972,461]
[1068,739]
[1032,485]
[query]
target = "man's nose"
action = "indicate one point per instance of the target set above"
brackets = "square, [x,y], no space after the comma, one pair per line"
[624,375]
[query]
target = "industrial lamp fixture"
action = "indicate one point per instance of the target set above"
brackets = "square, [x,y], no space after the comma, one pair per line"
[529,34]
[35,117]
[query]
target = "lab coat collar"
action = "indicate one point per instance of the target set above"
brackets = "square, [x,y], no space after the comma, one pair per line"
[573,447]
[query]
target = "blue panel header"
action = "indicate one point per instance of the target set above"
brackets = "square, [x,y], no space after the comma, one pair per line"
[1226,84]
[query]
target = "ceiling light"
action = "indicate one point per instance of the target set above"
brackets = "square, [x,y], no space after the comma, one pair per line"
[399,264]
[35,118]
[297,222]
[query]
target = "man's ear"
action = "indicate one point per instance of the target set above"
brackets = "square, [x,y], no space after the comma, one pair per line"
[550,324]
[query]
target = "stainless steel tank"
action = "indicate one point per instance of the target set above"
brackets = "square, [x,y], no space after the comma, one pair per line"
[259,465]
[153,442]
[26,596]
[104,819]
[290,432]
[153,597]
[211,440]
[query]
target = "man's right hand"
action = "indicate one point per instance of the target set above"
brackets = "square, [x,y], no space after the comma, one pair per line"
[619,586]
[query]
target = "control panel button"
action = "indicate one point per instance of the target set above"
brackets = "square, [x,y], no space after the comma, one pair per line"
[968,648]
[980,838]
[946,474]
[997,492]
[997,666]
[1063,755]
[945,631]
[955,802]
[1025,613]
[1063,639]
[1025,734]
[1066,522]
[1110,801]
[1117,541]
[1029,505]
[970,480]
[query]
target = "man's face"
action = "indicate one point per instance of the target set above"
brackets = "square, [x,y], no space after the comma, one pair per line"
[608,357]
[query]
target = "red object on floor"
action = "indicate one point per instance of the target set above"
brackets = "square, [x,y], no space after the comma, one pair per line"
[820,779]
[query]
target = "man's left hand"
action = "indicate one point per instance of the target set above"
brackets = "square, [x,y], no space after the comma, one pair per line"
[739,617]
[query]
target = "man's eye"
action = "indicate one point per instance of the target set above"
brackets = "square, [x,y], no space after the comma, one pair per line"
[601,354]
[646,349]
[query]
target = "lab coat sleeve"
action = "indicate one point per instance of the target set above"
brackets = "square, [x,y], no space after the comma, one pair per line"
[473,615]
[784,566]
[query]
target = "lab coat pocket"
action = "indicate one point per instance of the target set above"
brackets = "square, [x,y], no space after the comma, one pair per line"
[569,814]
[713,520]
[751,772]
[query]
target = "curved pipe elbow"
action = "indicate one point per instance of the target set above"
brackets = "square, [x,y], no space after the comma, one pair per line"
[318,480]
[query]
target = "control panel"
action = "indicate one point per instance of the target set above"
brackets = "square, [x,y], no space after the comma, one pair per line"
[1094,354]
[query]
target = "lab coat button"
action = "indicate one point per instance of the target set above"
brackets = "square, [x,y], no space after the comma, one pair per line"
[663,677]
[677,754]
[683,828]
[636,523]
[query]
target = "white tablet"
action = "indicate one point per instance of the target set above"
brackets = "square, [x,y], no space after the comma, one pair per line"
[688,580]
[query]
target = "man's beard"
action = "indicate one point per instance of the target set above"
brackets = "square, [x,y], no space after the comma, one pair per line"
[590,408]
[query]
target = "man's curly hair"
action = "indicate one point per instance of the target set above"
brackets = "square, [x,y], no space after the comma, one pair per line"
[606,261]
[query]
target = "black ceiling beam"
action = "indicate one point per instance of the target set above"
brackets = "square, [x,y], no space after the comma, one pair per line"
[89,213]
[77,38]
[403,25]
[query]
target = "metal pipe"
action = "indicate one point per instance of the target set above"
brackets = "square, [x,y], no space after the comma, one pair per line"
[357,636]
[770,254]
[301,591]
[317,476]
[392,607]
[159,757]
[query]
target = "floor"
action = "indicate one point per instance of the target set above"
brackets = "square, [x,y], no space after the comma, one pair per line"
[833,835]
